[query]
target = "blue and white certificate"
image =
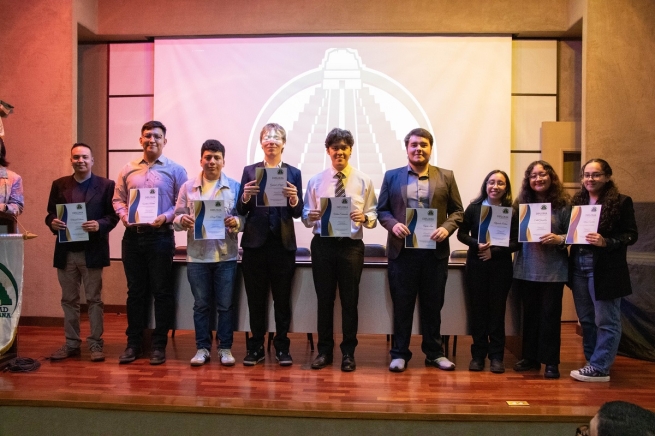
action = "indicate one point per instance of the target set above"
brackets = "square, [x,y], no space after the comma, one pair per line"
[534,221]
[495,225]
[74,215]
[421,224]
[584,220]
[271,182]
[142,206]
[210,219]
[335,217]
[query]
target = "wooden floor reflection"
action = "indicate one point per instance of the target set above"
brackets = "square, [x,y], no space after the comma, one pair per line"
[371,391]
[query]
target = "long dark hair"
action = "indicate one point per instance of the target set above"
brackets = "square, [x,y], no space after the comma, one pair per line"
[3,153]
[507,198]
[609,198]
[555,195]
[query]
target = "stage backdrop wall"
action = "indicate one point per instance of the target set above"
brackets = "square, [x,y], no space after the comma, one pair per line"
[380,88]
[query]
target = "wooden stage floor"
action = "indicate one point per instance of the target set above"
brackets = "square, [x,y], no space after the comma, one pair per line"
[371,392]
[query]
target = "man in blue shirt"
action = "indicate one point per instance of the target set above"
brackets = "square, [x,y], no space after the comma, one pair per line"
[148,247]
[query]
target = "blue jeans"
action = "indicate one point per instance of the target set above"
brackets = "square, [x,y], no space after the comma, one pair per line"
[212,283]
[600,319]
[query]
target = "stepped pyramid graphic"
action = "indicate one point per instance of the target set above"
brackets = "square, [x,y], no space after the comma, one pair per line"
[342,92]
[4,297]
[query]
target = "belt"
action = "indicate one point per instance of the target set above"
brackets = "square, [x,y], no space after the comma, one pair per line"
[149,229]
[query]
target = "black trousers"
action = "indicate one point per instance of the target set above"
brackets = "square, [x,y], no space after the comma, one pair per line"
[542,319]
[488,283]
[417,272]
[337,261]
[270,266]
[148,265]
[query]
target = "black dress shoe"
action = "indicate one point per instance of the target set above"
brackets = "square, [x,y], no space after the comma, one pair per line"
[321,361]
[526,365]
[497,366]
[551,371]
[476,365]
[129,355]
[158,356]
[348,363]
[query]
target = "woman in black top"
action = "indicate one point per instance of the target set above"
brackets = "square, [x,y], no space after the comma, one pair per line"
[488,274]
[598,272]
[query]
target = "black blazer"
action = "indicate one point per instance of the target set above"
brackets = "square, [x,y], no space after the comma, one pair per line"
[444,196]
[470,227]
[611,274]
[256,228]
[98,207]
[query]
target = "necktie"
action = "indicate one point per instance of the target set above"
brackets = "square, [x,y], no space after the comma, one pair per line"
[339,190]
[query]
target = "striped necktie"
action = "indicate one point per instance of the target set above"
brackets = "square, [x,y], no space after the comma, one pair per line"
[339,190]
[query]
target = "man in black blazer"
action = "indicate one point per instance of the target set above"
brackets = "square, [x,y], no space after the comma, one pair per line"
[269,248]
[82,262]
[415,271]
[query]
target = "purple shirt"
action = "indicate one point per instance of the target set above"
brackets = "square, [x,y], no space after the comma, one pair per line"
[11,191]
[164,174]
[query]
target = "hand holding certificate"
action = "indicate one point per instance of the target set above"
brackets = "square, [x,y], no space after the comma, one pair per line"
[143,205]
[209,219]
[73,215]
[534,221]
[584,220]
[495,224]
[421,224]
[335,217]
[272,182]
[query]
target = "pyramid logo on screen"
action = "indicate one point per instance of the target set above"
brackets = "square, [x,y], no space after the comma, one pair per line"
[342,92]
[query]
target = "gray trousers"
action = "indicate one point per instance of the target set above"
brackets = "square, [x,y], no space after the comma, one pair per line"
[71,278]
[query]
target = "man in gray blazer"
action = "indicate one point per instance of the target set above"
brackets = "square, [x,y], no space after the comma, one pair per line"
[415,271]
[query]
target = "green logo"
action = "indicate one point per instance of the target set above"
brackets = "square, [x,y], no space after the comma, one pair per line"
[8,292]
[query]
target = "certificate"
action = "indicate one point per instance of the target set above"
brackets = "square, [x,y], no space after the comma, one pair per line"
[143,205]
[210,219]
[584,220]
[335,217]
[534,221]
[495,225]
[74,215]
[271,181]
[421,224]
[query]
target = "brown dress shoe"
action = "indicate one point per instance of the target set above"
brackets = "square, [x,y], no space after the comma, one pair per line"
[129,355]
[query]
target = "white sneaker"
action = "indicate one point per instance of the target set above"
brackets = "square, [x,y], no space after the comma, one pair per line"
[398,365]
[225,354]
[201,357]
[441,362]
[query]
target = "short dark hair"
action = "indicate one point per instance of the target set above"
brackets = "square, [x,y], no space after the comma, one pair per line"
[3,153]
[81,144]
[625,419]
[154,125]
[213,145]
[337,135]
[421,133]
[277,128]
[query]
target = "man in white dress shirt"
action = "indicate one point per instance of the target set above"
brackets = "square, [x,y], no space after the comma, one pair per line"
[337,260]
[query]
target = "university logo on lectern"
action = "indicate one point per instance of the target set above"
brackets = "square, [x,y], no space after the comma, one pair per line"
[8,292]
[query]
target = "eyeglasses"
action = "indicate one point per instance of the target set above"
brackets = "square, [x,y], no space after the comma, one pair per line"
[496,183]
[156,136]
[272,138]
[592,176]
[538,176]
